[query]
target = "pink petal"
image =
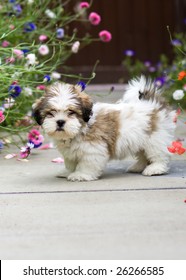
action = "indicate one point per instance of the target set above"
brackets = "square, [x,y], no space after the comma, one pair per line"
[22,159]
[46,146]
[58,160]
[9,156]
[171,149]
[176,144]
[181,151]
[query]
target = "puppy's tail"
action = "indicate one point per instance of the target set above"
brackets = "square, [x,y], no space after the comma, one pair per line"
[142,88]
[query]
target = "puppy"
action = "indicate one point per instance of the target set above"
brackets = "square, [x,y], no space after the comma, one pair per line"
[89,135]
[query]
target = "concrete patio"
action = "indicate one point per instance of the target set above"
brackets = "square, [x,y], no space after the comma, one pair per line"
[120,216]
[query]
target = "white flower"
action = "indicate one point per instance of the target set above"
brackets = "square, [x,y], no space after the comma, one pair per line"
[16,75]
[30,145]
[75,47]
[31,59]
[50,14]
[183,61]
[27,91]
[178,94]
[43,50]
[30,1]
[29,113]
[55,75]
[23,149]
[9,102]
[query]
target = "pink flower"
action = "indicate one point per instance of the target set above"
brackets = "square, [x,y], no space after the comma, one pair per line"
[10,60]
[11,26]
[105,36]
[5,44]
[24,153]
[2,117]
[94,18]
[41,87]
[43,50]
[35,137]
[43,38]
[19,54]
[84,5]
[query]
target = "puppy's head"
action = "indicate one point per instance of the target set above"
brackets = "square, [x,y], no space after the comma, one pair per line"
[63,110]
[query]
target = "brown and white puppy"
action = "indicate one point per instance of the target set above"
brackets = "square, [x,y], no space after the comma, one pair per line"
[89,135]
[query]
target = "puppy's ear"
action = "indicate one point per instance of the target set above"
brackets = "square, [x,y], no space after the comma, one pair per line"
[86,109]
[37,108]
[86,103]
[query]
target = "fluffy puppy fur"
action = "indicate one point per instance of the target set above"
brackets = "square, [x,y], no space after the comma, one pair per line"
[89,135]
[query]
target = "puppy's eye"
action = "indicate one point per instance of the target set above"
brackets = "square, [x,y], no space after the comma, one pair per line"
[71,112]
[51,114]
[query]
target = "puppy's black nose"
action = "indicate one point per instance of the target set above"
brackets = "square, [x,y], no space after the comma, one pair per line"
[60,123]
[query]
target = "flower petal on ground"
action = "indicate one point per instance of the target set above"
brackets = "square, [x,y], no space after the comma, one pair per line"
[58,160]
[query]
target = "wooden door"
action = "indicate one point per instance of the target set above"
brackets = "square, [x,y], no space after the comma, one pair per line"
[140,25]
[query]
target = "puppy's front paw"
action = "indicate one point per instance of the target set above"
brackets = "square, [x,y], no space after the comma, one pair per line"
[64,173]
[78,176]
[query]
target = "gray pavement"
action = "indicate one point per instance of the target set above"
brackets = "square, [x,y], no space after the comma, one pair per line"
[120,216]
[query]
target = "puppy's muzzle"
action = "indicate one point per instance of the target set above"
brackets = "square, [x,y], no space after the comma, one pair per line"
[60,125]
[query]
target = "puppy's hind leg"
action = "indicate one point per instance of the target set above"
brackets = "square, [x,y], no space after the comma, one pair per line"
[140,165]
[159,161]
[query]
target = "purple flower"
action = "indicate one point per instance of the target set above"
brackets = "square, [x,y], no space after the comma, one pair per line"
[129,53]
[60,33]
[176,43]
[17,8]
[160,81]
[82,85]
[14,90]
[152,69]
[47,78]
[147,63]
[29,27]
[35,145]
[159,65]
[184,21]
[1,145]
[25,51]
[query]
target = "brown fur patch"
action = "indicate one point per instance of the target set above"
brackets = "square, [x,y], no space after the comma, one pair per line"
[105,129]
[38,109]
[83,97]
[85,101]
[153,120]
[151,92]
